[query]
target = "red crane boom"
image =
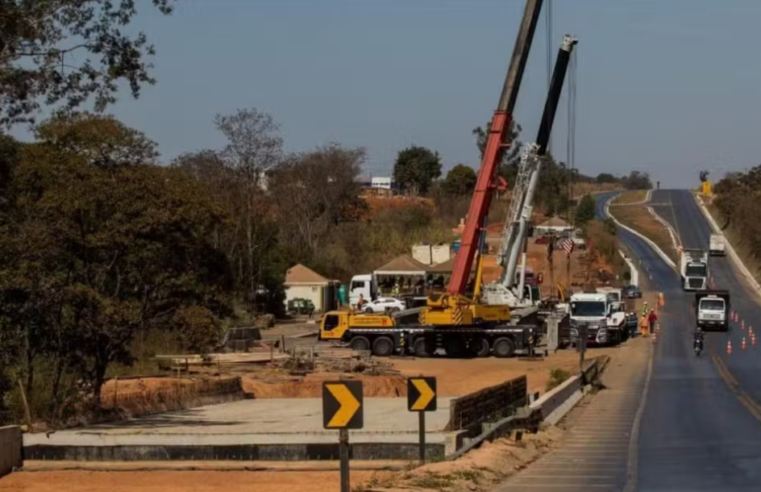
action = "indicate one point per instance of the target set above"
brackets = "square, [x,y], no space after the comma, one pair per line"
[497,141]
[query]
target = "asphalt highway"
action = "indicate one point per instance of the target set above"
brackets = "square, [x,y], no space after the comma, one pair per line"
[699,429]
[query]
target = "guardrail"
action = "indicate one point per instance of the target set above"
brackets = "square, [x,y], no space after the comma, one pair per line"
[551,407]
[492,403]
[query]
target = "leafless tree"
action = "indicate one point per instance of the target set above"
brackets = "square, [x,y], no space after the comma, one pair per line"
[254,146]
[314,191]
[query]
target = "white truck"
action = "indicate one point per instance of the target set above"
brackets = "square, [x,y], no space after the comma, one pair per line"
[693,267]
[366,285]
[603,318]
[716,245]
[712,309]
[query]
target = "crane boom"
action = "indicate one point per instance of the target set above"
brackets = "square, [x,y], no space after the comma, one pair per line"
[516,229]
[497,141]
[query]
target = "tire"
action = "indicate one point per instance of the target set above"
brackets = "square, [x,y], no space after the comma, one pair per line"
[481,347]
[395,309]
[455,347]
[369,311]
[359,343]
[421,348]
[503,347]
[383,347]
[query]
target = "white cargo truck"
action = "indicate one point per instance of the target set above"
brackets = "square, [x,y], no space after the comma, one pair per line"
[693,267]
[604,321]
[712,309]
[716,245]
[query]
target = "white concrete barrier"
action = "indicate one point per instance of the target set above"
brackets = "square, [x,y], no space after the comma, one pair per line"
[633,272]
[10,449]
[557,402]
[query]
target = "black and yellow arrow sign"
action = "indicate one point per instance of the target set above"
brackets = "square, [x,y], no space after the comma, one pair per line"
[342,405]
[421,394]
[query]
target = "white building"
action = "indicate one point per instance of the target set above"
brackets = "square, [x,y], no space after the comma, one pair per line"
[382,183]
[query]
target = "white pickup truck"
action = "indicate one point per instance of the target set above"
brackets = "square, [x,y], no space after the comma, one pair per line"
[716,245]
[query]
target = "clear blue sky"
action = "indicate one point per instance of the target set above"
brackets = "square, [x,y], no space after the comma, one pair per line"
[664,86]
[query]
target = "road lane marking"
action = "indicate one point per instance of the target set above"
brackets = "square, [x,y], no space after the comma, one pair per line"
[734,387]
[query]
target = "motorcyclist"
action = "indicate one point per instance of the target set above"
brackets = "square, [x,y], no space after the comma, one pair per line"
[698,338]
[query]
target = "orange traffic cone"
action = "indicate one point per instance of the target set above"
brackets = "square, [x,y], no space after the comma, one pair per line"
[742,346]
[729,346]
[753,340]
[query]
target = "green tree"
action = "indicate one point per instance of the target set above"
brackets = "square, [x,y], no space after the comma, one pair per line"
[637,180]
[65,51]
[96,253]
[511,157]
[460,180]
[586,210]
[606,178]
[416,168]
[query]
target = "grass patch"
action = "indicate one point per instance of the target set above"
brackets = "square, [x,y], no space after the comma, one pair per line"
[557,377]
[629,197]
[641,220]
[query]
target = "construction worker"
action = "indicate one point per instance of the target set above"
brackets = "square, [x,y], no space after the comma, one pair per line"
[361,302]
[644,307]
[644,325]
[395,291]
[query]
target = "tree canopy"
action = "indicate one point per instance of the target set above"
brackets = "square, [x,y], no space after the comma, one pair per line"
[67,51]
[416,168]
[586,210]
[460,180]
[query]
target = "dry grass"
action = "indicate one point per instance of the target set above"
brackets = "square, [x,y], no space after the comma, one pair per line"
[639,218]
[629,197]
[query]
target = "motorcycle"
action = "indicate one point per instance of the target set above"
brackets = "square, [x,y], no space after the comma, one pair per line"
[697,343]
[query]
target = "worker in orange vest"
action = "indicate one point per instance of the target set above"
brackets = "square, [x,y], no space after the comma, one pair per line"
[644,325]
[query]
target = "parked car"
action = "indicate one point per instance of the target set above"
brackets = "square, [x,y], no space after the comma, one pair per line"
[383,304]
[632,292]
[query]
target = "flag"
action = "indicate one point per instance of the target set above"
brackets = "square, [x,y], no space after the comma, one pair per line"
[568,245]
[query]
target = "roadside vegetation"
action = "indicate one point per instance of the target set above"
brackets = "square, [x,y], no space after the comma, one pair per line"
[735,208]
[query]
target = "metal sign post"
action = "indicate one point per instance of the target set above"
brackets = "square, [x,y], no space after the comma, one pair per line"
[581,343]
[421,398]
[342,409]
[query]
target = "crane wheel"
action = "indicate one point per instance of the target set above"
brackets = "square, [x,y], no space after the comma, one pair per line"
[360,344]
[421,348]
[455,347]
[503,347]
[481,347]
[383,347]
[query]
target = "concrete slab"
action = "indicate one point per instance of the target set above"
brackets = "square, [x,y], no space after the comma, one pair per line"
[266,421]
